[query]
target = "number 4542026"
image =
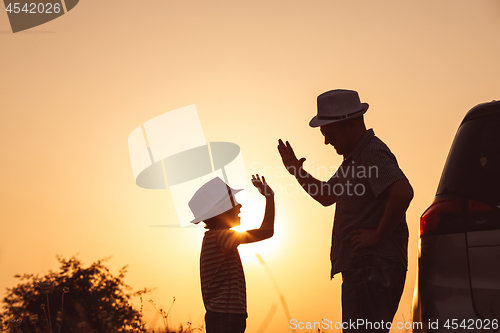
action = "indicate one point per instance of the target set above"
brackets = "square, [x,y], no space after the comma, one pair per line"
[471,324]
[34,8]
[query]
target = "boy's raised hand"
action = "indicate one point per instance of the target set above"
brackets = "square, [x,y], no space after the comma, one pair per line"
[262,186]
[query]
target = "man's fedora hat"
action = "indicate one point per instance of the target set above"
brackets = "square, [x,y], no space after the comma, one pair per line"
[212,199]
[337,105]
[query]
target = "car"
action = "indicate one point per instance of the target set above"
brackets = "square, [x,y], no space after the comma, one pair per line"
[458,284]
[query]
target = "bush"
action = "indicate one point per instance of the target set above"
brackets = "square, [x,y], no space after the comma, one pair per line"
[73,299]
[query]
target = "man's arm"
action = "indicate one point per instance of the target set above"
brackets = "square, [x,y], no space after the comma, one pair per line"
[400,196]
[317,189]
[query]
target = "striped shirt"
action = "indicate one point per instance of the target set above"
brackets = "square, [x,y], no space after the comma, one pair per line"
[361,184]
[222,279]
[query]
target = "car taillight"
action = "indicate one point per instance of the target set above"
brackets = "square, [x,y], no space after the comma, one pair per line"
[433,217]
[448,216]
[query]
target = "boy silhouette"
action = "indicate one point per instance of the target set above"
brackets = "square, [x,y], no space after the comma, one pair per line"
[222,278]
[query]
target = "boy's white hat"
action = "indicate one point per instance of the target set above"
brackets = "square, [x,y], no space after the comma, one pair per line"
[212,199]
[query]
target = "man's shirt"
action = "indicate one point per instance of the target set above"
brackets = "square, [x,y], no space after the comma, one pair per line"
[362,185]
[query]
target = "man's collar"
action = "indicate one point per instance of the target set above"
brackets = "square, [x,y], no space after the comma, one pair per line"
[361,144]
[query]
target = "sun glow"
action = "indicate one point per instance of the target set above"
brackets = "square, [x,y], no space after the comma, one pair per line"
[252,213]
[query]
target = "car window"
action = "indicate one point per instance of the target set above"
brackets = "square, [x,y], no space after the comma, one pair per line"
[473,165]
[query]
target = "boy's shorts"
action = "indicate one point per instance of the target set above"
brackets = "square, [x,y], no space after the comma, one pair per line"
[218,322]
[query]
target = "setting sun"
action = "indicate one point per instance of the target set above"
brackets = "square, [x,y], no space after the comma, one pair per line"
[252,213]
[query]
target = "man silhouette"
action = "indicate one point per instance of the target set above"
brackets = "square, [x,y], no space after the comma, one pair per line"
[370,234]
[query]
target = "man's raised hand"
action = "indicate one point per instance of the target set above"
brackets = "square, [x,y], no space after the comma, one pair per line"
[290,161]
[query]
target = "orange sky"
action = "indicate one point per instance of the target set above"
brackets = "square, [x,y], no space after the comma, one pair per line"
[73,89]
